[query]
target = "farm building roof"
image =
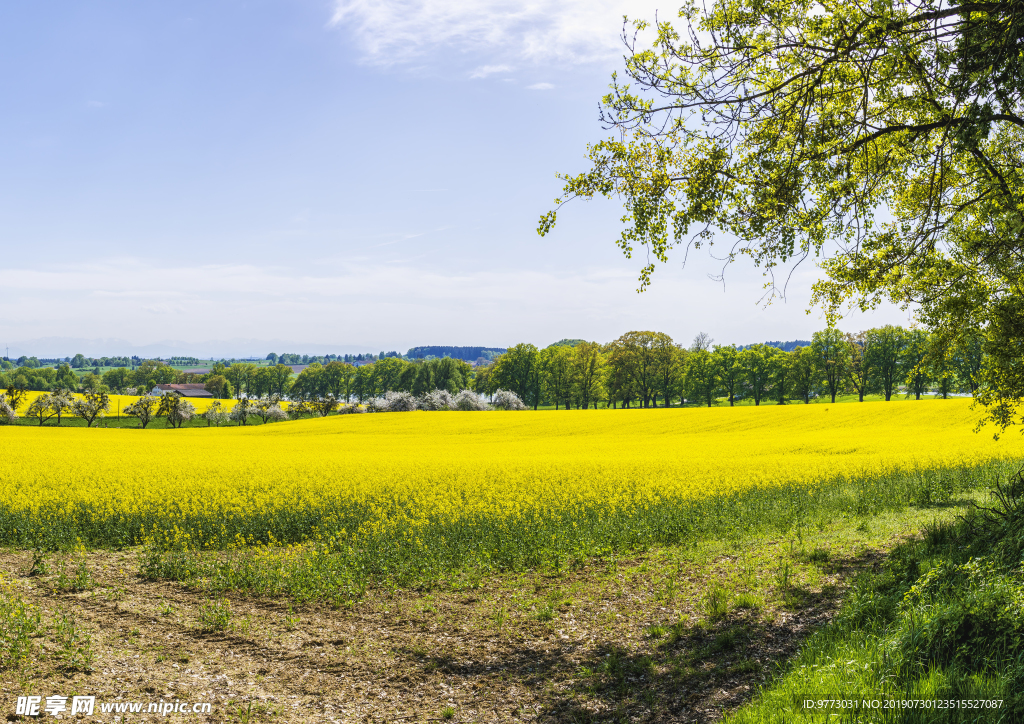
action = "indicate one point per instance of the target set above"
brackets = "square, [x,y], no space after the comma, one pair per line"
[186,390]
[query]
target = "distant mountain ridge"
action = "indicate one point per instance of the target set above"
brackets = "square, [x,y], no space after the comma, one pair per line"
[60,347]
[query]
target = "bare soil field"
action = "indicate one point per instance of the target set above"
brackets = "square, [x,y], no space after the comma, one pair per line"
[671,635]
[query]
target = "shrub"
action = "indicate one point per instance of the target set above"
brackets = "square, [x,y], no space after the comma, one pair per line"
[377,404]
[347,409]
[275,414]
[437,400]
[400,402]
[469,401]
[507,400]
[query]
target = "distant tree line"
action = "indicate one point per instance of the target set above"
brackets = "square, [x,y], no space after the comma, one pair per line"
[469,354]
[305,359]
[639,369]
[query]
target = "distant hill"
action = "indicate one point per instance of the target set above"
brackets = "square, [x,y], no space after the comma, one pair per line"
[464,353]
[567,343]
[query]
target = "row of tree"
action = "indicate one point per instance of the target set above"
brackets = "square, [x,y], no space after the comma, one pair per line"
[645,368]
[638,369]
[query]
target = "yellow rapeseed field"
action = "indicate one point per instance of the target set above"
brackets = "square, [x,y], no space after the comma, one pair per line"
[119,402]
[397,474]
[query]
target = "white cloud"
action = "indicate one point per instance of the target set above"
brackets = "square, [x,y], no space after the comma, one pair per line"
[485,70]
[387,305]
[540,86]
[391,32]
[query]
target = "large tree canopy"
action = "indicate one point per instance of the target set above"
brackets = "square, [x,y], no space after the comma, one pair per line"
[883,138]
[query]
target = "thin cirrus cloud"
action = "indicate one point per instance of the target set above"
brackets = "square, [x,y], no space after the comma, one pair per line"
[540,86]
[396,32]
[485,70]
[379,304]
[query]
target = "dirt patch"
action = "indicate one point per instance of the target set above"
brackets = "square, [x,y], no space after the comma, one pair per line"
[646,639]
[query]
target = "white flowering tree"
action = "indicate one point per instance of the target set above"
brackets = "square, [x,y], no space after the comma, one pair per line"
[400,401]
[469,401]
[215,414]
[40,408]
[61,401]
[437,400]
[143,408]
[269,409]
[508,400]
[7,414]
[176,409]
[241,411]
[275,414]
[91,405]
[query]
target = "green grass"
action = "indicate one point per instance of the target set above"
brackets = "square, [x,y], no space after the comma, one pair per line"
[942,621]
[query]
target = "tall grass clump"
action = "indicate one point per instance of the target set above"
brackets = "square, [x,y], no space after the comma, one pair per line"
[20,622]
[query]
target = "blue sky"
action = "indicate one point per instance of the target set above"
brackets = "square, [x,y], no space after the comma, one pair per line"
[362,174]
